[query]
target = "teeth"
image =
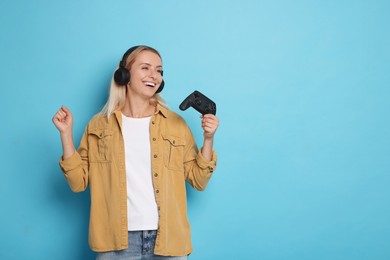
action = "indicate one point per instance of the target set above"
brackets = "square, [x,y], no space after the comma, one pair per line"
[150,84]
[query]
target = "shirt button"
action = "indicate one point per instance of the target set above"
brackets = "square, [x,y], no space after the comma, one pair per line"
[153,122]
[155,156]
[156,174]
[154,139]
[157,191]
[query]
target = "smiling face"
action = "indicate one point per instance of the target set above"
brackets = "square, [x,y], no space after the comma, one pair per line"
[145,74]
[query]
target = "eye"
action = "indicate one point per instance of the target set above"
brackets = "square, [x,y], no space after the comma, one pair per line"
[145,68]
[161,72]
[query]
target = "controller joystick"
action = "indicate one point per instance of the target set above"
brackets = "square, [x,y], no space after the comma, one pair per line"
[200,103]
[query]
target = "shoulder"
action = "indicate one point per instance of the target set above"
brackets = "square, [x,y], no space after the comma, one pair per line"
[174,118]
[99,121]
[173,124]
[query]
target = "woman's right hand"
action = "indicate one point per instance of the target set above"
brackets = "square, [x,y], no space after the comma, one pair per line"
[63,120]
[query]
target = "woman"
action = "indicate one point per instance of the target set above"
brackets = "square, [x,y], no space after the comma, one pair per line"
[136,155]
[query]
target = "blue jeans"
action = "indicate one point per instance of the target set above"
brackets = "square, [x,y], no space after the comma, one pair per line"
[141,246]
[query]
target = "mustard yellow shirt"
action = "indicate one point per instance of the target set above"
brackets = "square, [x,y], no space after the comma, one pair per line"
[100,163]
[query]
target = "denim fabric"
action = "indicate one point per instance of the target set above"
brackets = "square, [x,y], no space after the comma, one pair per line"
[141,246]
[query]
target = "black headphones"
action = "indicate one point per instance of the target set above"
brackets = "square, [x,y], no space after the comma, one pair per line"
[122,75]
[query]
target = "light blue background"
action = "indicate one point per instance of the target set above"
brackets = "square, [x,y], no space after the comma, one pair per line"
[302,89]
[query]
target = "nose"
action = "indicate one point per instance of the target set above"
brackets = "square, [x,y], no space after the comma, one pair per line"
[156,73]
[153,74]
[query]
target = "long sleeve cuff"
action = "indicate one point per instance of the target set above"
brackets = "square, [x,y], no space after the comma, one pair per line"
[203,163]
[70,163]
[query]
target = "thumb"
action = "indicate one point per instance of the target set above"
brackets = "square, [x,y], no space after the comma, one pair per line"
[66,110]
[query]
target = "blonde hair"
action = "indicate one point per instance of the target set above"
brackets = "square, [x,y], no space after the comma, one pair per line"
[117,96]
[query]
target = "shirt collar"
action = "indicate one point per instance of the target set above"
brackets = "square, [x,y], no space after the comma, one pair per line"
[162,110]
[159,109]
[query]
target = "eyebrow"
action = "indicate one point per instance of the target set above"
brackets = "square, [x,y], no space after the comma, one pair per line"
[145,63]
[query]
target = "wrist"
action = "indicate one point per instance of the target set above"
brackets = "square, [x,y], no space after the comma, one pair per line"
[208,142]
[66,136]
[208,138]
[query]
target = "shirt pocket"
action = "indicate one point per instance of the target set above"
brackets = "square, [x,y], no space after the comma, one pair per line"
[173,152]
[100,145]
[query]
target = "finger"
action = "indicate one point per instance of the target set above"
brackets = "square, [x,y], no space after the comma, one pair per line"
[64,108]
[57,115]
[210,116]
[205,118]
[209,125]
[209,131]
[57,120]
[210,122]
[66,111]
[60,117]
[61,113]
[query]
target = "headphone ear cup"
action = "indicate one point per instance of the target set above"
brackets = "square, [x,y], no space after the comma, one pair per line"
[122,76]
[161,87]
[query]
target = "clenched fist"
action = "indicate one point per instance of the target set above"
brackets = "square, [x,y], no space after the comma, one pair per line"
[63,120]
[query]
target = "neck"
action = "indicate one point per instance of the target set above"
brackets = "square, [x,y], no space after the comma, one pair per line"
[137,107]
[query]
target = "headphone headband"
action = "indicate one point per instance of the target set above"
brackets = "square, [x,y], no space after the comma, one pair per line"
[122,63]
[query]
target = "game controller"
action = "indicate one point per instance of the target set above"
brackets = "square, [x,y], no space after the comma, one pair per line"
[200,103]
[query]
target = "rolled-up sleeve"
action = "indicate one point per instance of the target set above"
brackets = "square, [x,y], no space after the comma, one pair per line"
[197,169]
[203,163]
[75,168]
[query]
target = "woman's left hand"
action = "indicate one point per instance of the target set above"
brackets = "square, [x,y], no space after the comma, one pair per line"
[209,124]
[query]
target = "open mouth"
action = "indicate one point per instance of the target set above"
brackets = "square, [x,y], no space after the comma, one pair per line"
[150,84]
